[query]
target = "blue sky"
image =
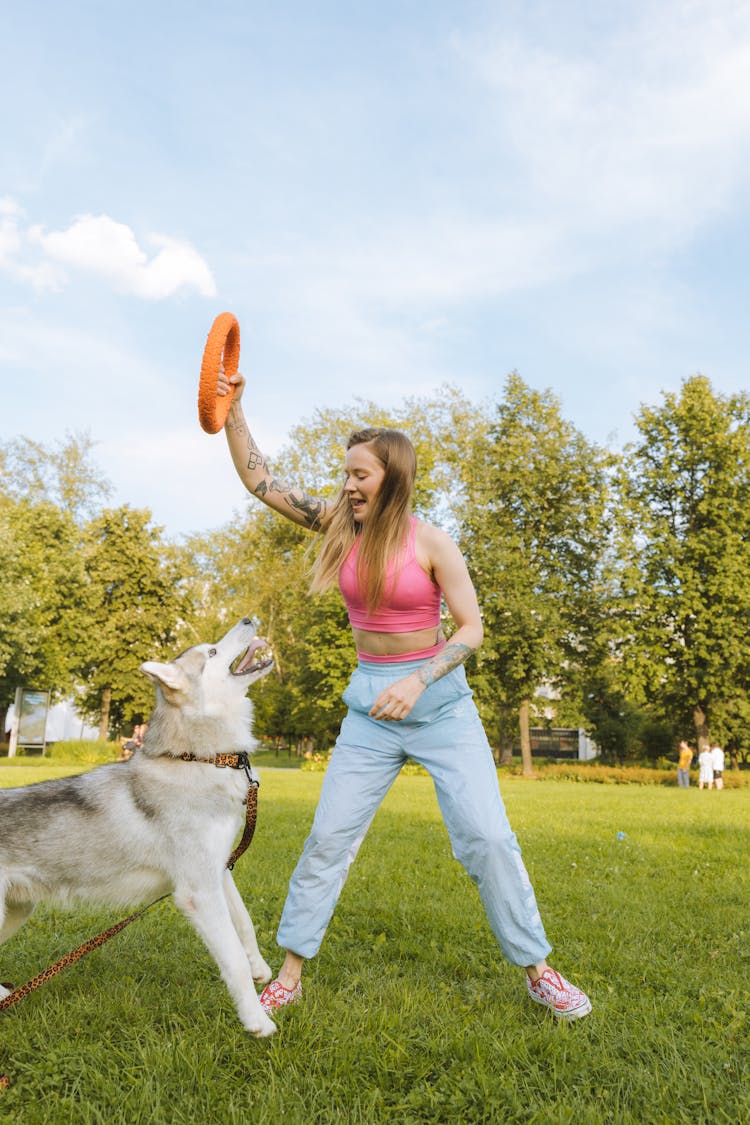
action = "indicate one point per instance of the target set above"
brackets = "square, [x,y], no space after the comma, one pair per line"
[389,196]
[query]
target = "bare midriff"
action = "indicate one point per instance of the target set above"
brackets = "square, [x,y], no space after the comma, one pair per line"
[396,644]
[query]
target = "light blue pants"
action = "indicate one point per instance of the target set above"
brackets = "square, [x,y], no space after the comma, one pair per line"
[443,733]
[683,778]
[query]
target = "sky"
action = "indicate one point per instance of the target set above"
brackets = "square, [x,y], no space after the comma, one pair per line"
[389,196]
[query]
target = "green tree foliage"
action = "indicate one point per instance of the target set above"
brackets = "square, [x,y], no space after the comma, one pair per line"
[684,536]
[534,533]
[636,639]
[133,608]
[42,584]
[622,729]
[64,475]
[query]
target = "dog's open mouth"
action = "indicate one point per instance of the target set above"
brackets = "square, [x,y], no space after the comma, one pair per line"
[256,657]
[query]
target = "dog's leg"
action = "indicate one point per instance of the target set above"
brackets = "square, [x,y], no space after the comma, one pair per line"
[243,924]
[207,910]
[12,917]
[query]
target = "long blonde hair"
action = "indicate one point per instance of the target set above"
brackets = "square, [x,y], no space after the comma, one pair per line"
[383,533]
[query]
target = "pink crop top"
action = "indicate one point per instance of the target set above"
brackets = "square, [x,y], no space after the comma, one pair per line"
[411,600]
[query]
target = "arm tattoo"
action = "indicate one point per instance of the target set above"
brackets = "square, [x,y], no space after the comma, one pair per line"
[308,507]
[256,460]
[445,661]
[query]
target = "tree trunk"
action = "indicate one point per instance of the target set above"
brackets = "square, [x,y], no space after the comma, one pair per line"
[700,721]
[523,722]
[104,718]
[506,752]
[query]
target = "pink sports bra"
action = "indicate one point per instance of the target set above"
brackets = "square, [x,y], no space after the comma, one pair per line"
[411,600]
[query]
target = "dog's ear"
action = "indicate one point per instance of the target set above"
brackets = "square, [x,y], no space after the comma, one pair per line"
[169,677]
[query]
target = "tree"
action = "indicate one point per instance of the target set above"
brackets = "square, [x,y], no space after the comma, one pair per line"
[684,528]
[134,606]
[42,584]
[534,534]
[63,475]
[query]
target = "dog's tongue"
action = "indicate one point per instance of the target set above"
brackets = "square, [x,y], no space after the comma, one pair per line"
[247,659]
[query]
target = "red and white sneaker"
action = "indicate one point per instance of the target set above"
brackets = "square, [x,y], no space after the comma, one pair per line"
[275,996]
[559,995]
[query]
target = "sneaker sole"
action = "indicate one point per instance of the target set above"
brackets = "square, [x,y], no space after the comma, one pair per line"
[572,1014]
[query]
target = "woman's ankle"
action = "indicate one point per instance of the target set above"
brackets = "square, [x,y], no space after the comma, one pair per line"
[288,980]
[291,971]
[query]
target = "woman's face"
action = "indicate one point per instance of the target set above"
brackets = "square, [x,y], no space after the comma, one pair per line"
[364,476]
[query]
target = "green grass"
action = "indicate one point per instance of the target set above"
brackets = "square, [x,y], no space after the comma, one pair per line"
[410,1013]
[27,771]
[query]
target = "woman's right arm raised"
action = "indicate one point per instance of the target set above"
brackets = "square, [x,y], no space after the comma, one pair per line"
[253,470]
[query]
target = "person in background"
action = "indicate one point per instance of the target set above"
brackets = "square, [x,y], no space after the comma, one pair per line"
[717,761]
[407,698]
[706,768]
[684,763]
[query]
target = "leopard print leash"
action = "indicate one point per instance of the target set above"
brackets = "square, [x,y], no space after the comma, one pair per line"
[233,761]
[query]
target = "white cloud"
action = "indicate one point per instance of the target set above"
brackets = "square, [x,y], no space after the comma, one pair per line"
[650,133]
[10,206]
[100,245]
[40,275]
[592,162]
[10,240]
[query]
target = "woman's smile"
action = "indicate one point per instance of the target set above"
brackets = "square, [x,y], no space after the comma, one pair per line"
[364,476]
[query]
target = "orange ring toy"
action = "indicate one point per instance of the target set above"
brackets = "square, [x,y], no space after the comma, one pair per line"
[223,342]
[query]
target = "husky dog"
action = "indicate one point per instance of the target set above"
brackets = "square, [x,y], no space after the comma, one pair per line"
[132,831]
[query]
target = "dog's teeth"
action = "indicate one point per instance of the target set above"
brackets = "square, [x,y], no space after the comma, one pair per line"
[252,656]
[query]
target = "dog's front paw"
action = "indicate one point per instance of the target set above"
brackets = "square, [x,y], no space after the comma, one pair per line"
[261,971]
[263,1029]
[7,991]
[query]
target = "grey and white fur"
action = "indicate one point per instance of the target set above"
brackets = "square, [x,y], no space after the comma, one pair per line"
[131,831]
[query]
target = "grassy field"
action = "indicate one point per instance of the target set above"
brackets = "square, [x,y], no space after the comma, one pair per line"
[410,1014]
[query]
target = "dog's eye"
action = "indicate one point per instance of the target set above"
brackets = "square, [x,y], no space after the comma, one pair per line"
[212,652]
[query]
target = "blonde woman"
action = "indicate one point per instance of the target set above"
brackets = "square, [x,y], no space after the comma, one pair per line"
[407,698]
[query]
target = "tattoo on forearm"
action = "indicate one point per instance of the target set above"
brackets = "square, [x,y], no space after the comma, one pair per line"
[309,507]
[306,506]
[256,460]
[445,661]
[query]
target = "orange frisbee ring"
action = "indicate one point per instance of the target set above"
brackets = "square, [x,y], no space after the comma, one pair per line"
[223,343]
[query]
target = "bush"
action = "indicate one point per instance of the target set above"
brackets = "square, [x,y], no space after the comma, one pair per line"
[81,750]
[617,775]
[547,769]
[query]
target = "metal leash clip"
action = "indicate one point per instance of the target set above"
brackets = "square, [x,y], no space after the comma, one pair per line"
[244,761]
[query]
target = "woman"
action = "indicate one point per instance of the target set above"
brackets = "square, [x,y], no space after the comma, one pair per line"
[706,764]
[408,698]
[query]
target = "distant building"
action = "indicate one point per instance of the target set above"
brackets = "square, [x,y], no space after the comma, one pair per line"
[565,743]
[63,724]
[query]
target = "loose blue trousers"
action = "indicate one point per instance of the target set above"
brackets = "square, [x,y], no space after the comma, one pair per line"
[444,733]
